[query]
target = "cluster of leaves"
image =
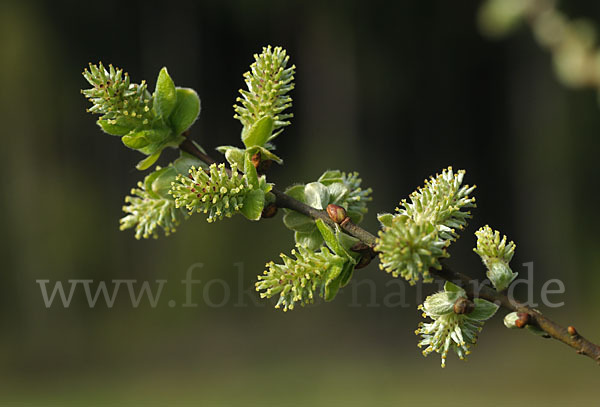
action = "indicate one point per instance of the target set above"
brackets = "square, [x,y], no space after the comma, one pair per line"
[150,123]
[333,187]
[453,327]
[302,279]
[147,123]
[416,238]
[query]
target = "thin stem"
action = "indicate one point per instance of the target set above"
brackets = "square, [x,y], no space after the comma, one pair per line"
[286,201]
[568,336]
[188,146]
[554,330]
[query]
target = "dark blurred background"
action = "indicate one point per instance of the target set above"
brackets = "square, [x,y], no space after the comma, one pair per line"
[394,90]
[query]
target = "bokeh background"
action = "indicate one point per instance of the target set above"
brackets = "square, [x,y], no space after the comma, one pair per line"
[394,90]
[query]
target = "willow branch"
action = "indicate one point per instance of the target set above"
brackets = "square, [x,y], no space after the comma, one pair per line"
[190,148]
[568,336]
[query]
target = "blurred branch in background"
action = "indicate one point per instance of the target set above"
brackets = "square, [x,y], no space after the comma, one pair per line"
[572,42]
[553,128]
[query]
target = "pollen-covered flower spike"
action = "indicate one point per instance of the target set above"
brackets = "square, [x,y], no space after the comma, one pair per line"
[441,201]
[496,254]
[299,280]
[455,325]
[269,81]
[122,103]
[357,197]
[213,192]
[147,213]
[410,249]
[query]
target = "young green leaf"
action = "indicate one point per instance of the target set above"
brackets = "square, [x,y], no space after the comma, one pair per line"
[441,303]
[451,287]
[147,185]
[311,240]
[186,110]
[187,161]
[233,155]
[148,161]
[346,274]
[265,154]
[385,219]
[330,177]
[250,172]
[135,141]
[484,310]
[346,242]
[161,184]
[298,222]
[337,192]
[332,285]
[317,195]
[296,192]
[150,179]
[165,95]
[258,133]
[254,203]
[116,127]
[329,237]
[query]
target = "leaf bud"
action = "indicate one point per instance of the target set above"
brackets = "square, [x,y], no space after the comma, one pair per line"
[463,306]
[336,213]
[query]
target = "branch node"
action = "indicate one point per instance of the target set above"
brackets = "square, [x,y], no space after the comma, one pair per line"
[523,320]
[269,211]
[360,246]
[367,254]
[262,166]
[363,262]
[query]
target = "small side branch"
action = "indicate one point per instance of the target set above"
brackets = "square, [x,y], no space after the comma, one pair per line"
[554,330]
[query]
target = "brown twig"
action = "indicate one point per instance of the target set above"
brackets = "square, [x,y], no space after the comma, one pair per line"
[568,336]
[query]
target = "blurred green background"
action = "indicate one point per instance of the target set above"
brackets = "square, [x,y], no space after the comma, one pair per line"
[394,90]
